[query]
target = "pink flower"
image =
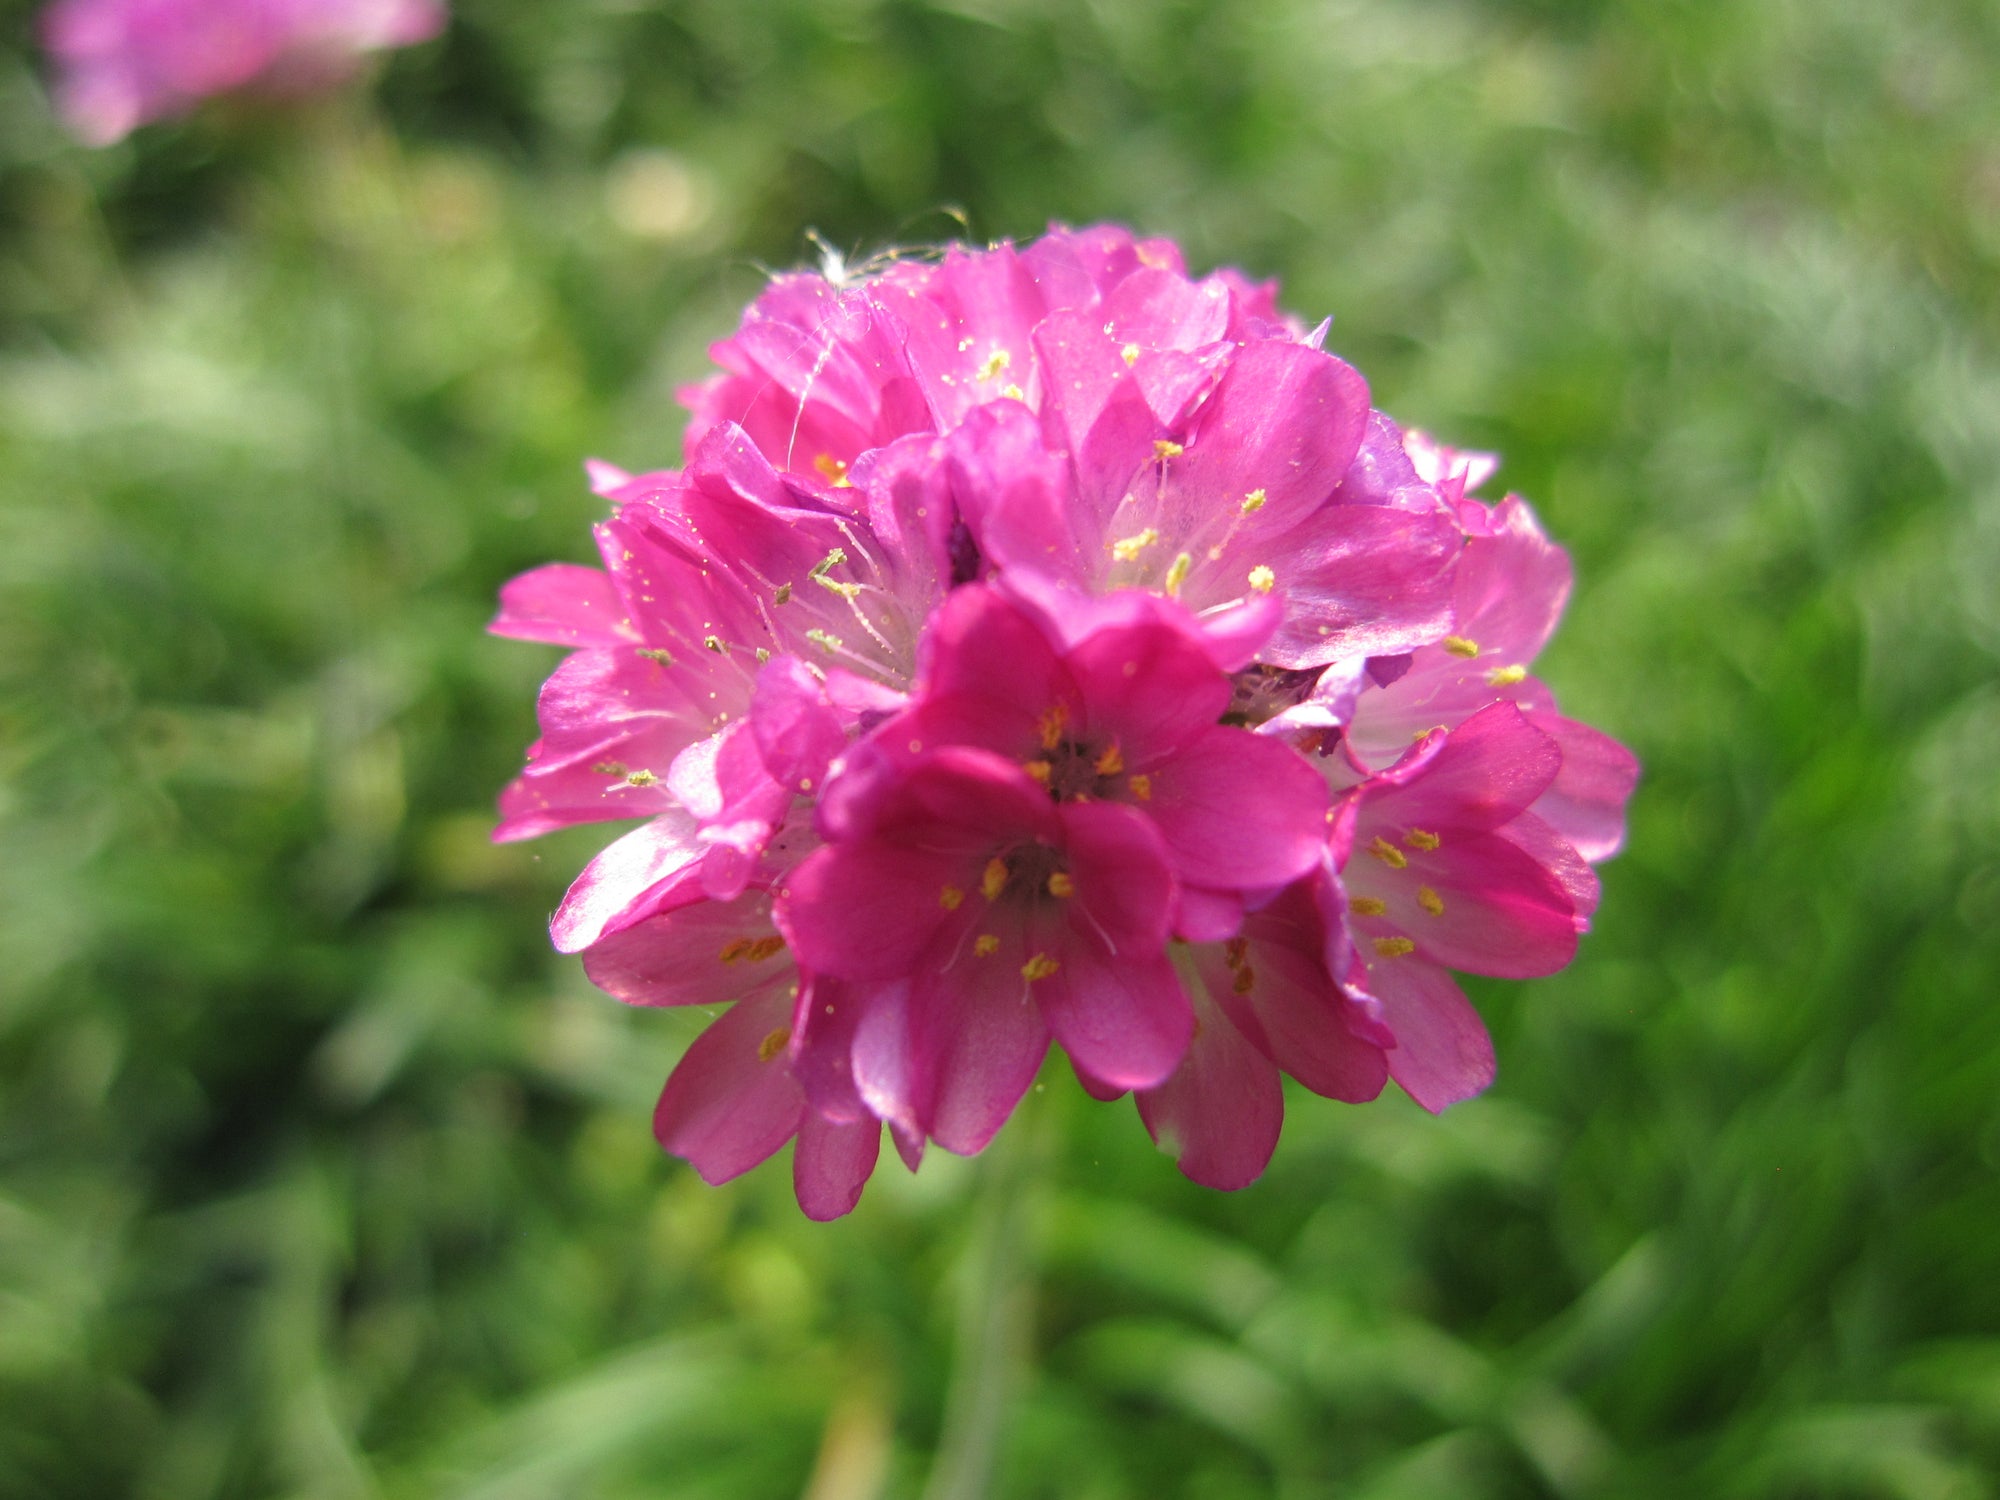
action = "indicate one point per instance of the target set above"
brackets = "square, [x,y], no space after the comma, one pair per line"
[1042,647]
[125,62]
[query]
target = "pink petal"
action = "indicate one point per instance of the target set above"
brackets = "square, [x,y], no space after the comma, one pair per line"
[1442,1052]
[626,882]
[1586,802]
[564,605]
[731,1102]
[797,730]
[1485,772]
[701,953]
[1238,810]
[831,1164]
[1123,1018]
[1358,580]
[1494,909]
[1219,1114]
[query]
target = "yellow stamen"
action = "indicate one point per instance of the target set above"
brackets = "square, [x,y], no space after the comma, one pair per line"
[986,945]
[1394,947]
[750,950]
[1041,966]
[1420,838]
[1142,786]
[1262,579]
[1367,906]
[1040,770]
[1130,354]
[1458,645]
[1054,718]
[832,470]
[993,879]
[1507,676]
[1127,549]
[997,361]
[1236,951]
[1165,448]
[773,1044]
[1253,502]
[1245,977]
[1061,886]
[950,897]
[609,768]
[1013,392]
[1430,900]
[1111,761]
[826,640]
[716,644]
[783,595]
[1388,853]
[657,654]
[641,778]
[1177,574]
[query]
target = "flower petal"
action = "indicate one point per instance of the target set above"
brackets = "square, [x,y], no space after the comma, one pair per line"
[731,1101]
[1220,1113]
[831,1164]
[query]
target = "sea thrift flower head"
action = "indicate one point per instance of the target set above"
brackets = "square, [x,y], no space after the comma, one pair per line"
[1041,647]
[125,62]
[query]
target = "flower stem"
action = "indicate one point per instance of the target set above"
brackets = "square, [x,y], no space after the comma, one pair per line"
[995,1315]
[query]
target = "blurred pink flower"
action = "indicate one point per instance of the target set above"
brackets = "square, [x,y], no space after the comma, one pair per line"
[1042,646]
[124,62]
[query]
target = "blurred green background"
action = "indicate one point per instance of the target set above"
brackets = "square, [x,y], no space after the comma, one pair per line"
[320,1176]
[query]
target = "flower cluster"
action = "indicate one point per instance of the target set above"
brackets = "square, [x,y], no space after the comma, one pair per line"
[125,62]
[1042,645]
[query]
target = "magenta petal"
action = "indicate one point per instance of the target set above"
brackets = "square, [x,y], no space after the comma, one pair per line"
[827,1015]
[1486,771]
[952,1057]
[1540,841]
[1586,801]
[984,647]
[564,605]
[1442,1053]
[1219,1115]
[1203,916]
[1284,419]
[618,883]
[1151,685]
[1512,586]
[866,910]
[1239,810]
[731,1101]
[1124,883]
[1358,580]
[702,953]
[797,730]
[831,1164]
[1123,1019]
[1499,911]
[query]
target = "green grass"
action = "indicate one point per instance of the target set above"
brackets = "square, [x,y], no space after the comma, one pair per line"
[320,1176]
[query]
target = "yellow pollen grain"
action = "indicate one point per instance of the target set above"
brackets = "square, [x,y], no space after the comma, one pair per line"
[716,644]
[1040,770]
[997,361]
[1013,392]
[783,595]
[1459,645]
[1061,886]
[1507,676]
[1177,574]
[1142,786]
[773,1044]
[1245,978]
[1367,906]
[1111,761]
[641,778]
[1422,838]
[1127,549]
[1053,721]
[763,655]
[1130,354]
[832,470]
[1394,947]
[1388,853]
[993,879]
[986,945]
[1430,900]
[1041,966]
[1262,579]
[1166,448]
[950,897]
[657,654]
[1253,502]
[609,768]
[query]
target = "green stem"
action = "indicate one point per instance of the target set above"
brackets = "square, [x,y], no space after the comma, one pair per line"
[995,1315]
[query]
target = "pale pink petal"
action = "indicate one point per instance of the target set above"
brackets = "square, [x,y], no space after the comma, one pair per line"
[1442,1053]
[831,1164]
[1586,801]
[731,1102]
[564,605]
